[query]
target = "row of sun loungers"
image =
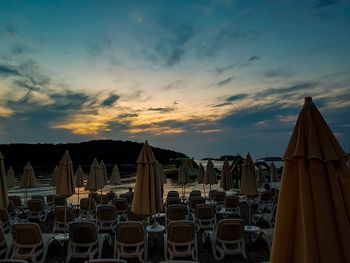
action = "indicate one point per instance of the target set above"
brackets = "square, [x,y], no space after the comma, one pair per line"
[184,220]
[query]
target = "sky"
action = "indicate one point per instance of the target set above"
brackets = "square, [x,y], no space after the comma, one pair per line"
[206,78]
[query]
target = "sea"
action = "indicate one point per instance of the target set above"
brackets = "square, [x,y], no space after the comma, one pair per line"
[44,189]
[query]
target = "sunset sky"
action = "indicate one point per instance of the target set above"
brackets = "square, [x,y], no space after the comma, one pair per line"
[205,78]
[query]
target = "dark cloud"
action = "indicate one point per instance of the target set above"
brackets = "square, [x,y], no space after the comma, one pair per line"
[224,82]
[127,115]
[162,109]
[110,100]
[278,73]
[325,3]
[290,90]
[250,61]
[231,99]
[253,58]
[7,71]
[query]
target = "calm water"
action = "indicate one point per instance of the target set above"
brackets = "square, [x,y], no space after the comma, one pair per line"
[171,184]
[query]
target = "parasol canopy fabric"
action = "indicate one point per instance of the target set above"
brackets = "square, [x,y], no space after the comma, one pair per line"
[312,220]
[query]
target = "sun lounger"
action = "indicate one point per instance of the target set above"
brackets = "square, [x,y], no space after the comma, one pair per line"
[36,209]
[61,223]
[106,218]
[87,207]
[29,242]
[228,239]
[84,242]
[5,244]
[175,212]
[130,240]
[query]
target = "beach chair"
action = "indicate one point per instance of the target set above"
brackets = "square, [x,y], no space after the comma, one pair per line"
[59,200]
[5,220]
[121,205]
[106,218]
[180,240]
[17,201]
[11,210]
[173,194]
[212,194]
[106,260]
[205,218]
[228,239]
[5,244]
[111,196]
[172,201]
[265,202]
[87,207]
[266,217]
[61,223]
[36,209]
[267,235]
[102,200]
[84,242]
[219,198]
[231,205]
[195,193]
[130,240]
[174,213]
[40,197]
[29,242]
[192,203]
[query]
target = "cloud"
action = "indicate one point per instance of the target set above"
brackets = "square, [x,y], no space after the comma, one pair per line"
[162,110]
[178,84]
[278,73]
[229,100]
[325,3]
[224,82]
[98,45]
[110,100]
[253,58]
[239,65]
[289,90]
[7,71]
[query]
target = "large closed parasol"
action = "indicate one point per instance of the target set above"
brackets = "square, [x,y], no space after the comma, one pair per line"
[313,213]
[4,201]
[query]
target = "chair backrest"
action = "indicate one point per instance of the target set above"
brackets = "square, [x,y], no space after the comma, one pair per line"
[231,201]
[59,200]
[195,193]
[266,196]
[130,232]
[16,200]
[35,205]
[176,212]
[26,233]
[103,199]
[83,232]
[173,201]
[127,196]
[111,196]
[11,208]
[59,214]
[88,204]
[94,196]
[50,199]
[205,211]
[219,196]
[212,193]
[121,204]
[173,194]
[230,229]
[106,213]
[40,197]
[181,231]
[195,200]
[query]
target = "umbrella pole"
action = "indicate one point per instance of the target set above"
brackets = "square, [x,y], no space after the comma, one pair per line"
[204,190]
[65,217]
[78,196]
[101,197]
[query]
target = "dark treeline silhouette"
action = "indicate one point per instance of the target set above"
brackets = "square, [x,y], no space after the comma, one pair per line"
[44,156]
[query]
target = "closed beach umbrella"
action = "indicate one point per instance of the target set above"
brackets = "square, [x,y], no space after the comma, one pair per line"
[248,182]
[147,199]
[201,174]
[65,181]
[210,174]
[4,201]
[94,181]
[79,179]
[54,177]
[273,172]
[226,182]
[65,177]
[104,174]
[312,221]
[183,177]
[10,178]
[260,178]
[28,179]
[115,177]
